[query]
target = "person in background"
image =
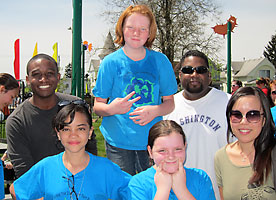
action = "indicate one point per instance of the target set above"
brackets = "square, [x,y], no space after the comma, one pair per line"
[9,89]
[244,168]
[236,84]
[263,84]
[30,136]
[273,91]
[168,178]
[134,89]
[200,110]
[74,173]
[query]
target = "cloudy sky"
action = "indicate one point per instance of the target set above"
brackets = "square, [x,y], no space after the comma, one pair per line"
[47,22]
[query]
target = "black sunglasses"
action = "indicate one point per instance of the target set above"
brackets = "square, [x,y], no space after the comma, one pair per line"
[273,92]
[190,69]
[71,185]
[252,116]
[79,102]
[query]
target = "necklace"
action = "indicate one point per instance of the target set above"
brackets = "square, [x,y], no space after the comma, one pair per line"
[245,157]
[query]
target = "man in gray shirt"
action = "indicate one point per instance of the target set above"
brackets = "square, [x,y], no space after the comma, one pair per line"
[30,135]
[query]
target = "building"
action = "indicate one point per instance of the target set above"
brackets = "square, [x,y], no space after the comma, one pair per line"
[248,71]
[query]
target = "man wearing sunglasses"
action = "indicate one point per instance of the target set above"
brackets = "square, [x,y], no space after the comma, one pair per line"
[200,110]
[30,135]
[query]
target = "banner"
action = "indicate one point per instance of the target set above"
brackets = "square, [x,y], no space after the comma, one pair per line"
[16,60]
[55,48]
[35,50]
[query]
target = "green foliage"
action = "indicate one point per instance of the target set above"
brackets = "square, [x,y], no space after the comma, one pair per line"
[270,50]
[100,139]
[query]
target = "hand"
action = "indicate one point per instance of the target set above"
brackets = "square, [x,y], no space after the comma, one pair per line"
[143,115]
[122,105]
[179,183]
[163,182]
[8,165]
[179,178]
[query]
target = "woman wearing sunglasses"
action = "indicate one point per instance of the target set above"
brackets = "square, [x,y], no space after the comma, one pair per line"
[73,174]
[243,168]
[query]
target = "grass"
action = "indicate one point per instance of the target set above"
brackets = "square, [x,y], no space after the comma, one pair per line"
[100,139]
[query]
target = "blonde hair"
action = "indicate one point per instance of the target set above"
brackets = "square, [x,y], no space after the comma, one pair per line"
[143,10]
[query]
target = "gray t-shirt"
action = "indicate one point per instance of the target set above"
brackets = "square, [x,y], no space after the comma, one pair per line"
[234,180]
[30,135]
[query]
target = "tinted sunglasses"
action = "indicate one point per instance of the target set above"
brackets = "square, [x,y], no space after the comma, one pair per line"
[252,116]
[190,69]
[79,102]
[273,92]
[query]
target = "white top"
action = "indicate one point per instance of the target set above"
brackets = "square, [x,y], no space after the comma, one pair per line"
[205,126]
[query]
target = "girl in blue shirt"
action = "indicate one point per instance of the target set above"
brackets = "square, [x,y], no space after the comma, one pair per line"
[168,179]
[73,174]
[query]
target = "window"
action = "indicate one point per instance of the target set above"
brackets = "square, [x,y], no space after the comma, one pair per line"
[264,73]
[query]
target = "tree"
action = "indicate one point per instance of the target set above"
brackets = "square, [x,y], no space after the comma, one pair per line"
[180,24]
[270,50]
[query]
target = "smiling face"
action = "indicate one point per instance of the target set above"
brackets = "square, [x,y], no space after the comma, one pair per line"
[43,78]
[136,30]
[245,131]
[195,85]
[74,136]
[167,150]
[7,96]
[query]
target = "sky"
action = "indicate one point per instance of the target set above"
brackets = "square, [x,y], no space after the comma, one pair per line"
[47,22]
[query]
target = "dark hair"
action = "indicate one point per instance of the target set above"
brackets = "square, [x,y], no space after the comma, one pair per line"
[70,110]
[263,80]
[41,56]
[197,54]
[8,81]
[238,82]
[265,142]
[164,128]
[143,10]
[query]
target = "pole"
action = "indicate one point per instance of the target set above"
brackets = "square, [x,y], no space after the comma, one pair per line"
[83,71]
[76,48]
[229,57]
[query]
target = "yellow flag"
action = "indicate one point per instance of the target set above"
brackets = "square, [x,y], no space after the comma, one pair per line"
[55,48]
[35,50]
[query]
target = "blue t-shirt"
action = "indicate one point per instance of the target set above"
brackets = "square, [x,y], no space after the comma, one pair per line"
[142,185]
[151,78]
[273,112]
[100,180]
[2,189]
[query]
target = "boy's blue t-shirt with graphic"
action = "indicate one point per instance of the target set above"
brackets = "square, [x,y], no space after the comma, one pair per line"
[150,78]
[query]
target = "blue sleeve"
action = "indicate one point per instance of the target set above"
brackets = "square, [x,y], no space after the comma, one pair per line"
[118,183]
[104,83]
[168,85]
[199,184]
[29,185]
[137,190]
[273,112]
[2,192]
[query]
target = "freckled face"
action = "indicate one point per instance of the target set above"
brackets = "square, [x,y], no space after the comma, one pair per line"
[168,150]
[136,30]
